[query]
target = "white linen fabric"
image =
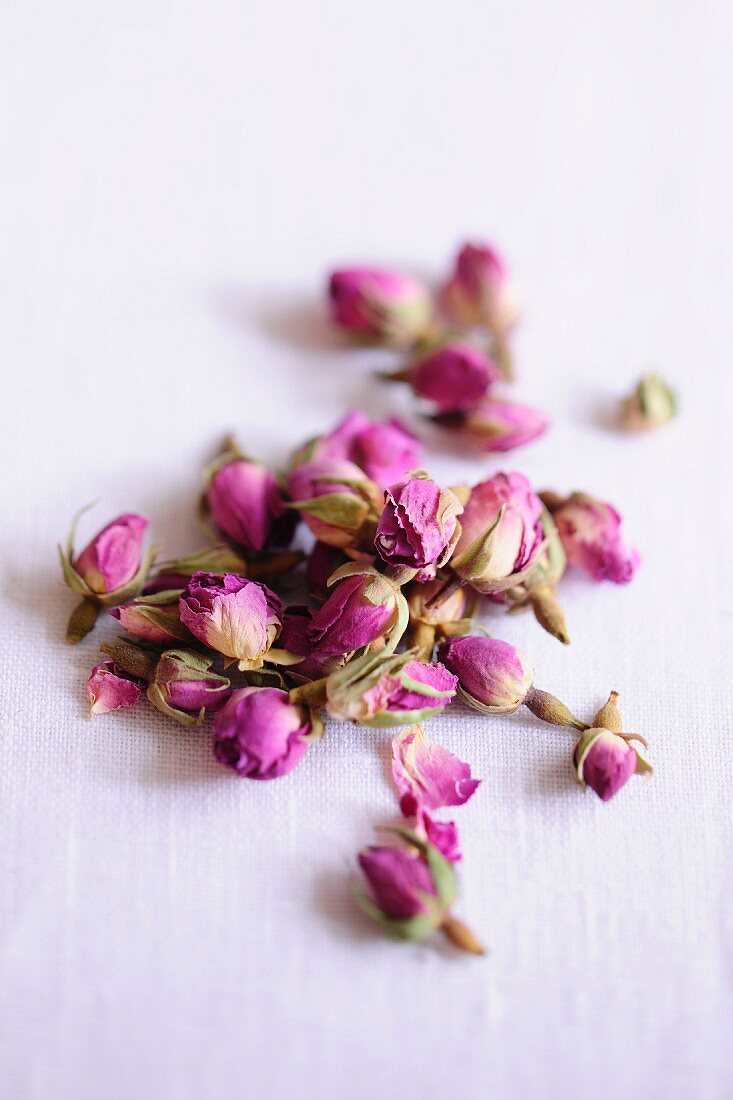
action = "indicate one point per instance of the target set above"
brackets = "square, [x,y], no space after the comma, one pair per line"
[182,176]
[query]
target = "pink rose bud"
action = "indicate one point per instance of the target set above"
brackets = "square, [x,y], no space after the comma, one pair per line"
[392,690]
[185,688]
[245,504]
[400,881]
[362,608]
[260,734]
[500,425]
[379,306]
[604,762]
[238,618]
[418,526]
[383,451]
[493,676]
[590,531]
[336,500]
[114,556]
[501,534]
[154,618]
[452,372]
[479,291]
[109,688]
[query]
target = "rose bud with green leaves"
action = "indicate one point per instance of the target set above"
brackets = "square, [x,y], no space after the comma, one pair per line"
[364,607]
[450,371]
[604,758]
[237,617]
[501,534]
[591,533]
[338,503]
[651,405]
[260,734]
[418,527]
[410,891]
[109,688]
[378,306]
[497,424]
[244,502]
[480,292]
[108,571]
[184,687]
[154,618]
[393,690]
[384,451]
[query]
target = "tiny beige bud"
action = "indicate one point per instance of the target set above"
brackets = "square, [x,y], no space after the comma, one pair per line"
[550,709]
[461,936]
[609,716]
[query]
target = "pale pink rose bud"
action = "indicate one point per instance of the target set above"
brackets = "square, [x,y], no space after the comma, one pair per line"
[385,451]
[493,676]
[392,690]
[336,500]
[185,688]
[480,291]
[501,533]
[362,608]
[590,530]
[238,618]
[260,734]
[604,761]
[109,688]
[379,306]
[114,556]
[246,506]
[498,425]
[418,526]
[155,618]
[452,372]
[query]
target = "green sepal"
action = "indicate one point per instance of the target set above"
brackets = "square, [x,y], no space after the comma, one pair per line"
[158,700]
[336,509]
[587,739]
[218,558]
[408,931]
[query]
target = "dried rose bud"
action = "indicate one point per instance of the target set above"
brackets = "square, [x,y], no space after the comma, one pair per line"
[336,500]
[604,761]
[456,609]
[493,676]
[498,424]
[410,891]
[418,527]
[450,371]
[245,504]
[109,688]
[260,734]
[109,570]
[590,530]
[379,306]
[385,452]
[501,534]
[363,608]
[651,405]
[238,618]
[185,688]
[393,690]
[154,618]
[480,292]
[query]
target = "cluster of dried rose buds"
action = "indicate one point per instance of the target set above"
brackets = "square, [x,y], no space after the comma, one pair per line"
[391,569]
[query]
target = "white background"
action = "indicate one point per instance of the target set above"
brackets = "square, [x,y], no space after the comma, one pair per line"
[177,180]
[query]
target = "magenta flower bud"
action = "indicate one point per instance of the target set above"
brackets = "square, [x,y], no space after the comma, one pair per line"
[362,608]
[452,372]
[418,526]
[379,306]
[501,533]
[590,531]
[493,676]
[604,762]
[398,881]
[155,618]
[185,688]
[114,556]
[260,734]
[245,504]
[335,500]
[391,690]
[109,688]
[238,618]
[500,425]
[479,291]
[385,452]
